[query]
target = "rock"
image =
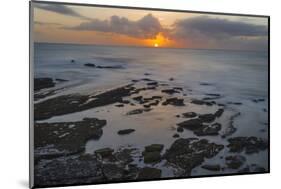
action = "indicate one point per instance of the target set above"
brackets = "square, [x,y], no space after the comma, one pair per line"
[154,147]
[113,171]
[69,170]
[208,130]
[180,129]
[189,153]
[171,79]
[235,161]
[104,152]
[72,60]
[151,157]
[191,124]
[176,135]
[210,167]
[66,104]
[119,105]
[125,131]
[170,91]
[213,94]
[138,111]
[248,144]
[57,139]
[148,173]
[152,154]
[219,112]
[201,102]
[124,155]
[90,65]
[174,101]
[110,67]
[147,74]
[207,118]
[235,103]
[61,80]
[205,84]
[43,83]
[189,114]
[153,83]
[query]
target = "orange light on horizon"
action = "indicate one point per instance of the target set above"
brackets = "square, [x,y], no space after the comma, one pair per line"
[155,44]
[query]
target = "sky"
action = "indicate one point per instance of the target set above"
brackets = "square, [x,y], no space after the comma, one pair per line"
[58,23]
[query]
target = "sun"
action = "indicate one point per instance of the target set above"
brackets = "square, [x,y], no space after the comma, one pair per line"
[156,45]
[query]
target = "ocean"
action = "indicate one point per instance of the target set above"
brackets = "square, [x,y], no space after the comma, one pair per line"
[239,77]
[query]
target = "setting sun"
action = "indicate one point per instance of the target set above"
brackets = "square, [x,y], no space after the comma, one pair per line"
[155,45]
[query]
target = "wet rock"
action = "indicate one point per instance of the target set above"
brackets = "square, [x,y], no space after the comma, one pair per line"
[153,83]
[138,111]
[189,115]
[119,105]
[248,144]
[90,65]
[113,171]
[180,129]
[125,131]
[154,147]
[125,155]
[61,80]
[210,167]
[66,104]
[219,112]
[213,94]
[192,124]
[152,154]
[207,118]
[68,170]
[110,67]
[235,161]
[235,103]
[72,60]
[58,137]
[205,84]
[201,102]
[171,79]
[258,100]
[104,152]
[151,157]
[176,135]
[148,173]
[170,91]
[208,130]
[174,101]
[191,152]
[43,83]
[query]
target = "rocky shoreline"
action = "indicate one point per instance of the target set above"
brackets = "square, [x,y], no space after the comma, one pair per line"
[60,156]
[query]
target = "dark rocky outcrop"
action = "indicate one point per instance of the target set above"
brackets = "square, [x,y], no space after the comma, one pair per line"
[235,161]
[152,153]
[61,136]
[191,152]
[138,111]
[248,144]
[66,104]
[174,101]
[125,131]
[210,167]
[43,83]
[148,173]
[189,115]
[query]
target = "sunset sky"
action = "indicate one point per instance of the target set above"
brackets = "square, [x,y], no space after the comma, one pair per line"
[57,23]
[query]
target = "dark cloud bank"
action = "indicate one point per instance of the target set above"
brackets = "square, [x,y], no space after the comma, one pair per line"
[61,9]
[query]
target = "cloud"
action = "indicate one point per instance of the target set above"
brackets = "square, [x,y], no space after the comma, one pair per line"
[61,9]
[216,27]
[47,23]
[204,30]
[146,27]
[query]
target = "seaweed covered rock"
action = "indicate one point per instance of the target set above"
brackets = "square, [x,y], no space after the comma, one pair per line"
[191,152]
[248,144]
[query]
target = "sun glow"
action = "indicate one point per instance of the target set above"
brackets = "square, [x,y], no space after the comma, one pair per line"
[155,44]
